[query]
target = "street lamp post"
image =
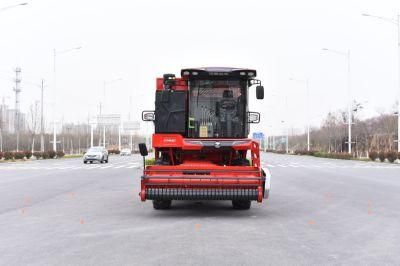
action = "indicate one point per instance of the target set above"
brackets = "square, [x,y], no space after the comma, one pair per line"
[55,53]
[306,82]
[396,22]
[349,114]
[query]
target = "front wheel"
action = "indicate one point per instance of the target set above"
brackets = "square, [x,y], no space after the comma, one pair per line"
[241,204]
[162,204]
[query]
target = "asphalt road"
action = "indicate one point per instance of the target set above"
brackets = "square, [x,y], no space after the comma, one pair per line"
[321,211]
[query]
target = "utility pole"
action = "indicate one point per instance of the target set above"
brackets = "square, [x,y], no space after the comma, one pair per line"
[398,81]
[17,90]
[349,99]
[41,118]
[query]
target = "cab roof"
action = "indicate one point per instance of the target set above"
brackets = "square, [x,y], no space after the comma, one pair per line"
[205,72]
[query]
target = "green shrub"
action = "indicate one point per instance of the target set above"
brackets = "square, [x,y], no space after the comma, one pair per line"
[381,156]
[373,155]
[52,154]
[28,154]
[60,154]
[150,161]
[37,154]
[304,152]
[343,156]
[391,156]
[8,155]
[320,154]
[19,155]
[45,155]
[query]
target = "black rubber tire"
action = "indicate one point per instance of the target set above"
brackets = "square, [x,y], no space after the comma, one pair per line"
[162,204]
[102,160]
[85,162]
[241,204]
[91,162]
[106,161]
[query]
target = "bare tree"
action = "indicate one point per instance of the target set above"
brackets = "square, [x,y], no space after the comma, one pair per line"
[33,122]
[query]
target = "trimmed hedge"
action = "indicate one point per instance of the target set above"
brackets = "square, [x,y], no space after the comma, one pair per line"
[52,154]
[381,156]
[391,156]
[37,154]
[114,151]
[19,155]
[304,152]
[8,155]
[333,155]
[373,155]
[28,154]
[45,155]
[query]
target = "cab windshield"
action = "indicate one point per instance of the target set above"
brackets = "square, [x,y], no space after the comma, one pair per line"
[217,108]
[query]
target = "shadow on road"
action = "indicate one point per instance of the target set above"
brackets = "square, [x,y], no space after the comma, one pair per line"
[209,209]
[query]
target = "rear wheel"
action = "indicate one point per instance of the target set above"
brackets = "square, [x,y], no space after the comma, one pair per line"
[102,160]
[162,204]
[241,204]
[85,162]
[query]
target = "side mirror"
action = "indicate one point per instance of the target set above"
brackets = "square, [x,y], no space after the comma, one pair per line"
[253,117]
[260,92]
[143,149]
[148,116]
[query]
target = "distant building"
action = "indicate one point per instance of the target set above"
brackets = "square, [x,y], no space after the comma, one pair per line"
[8,120]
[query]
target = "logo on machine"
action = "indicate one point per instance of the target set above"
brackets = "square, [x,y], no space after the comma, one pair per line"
[169,140]
[217,144]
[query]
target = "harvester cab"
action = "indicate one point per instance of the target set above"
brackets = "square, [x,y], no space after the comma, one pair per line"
[201,145]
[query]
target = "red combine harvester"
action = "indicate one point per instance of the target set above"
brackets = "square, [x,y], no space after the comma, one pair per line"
[201,145]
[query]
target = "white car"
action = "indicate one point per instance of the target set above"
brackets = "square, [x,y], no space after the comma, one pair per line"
[126,152]
[99,154]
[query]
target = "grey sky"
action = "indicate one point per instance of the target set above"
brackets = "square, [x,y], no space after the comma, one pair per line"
[140,40]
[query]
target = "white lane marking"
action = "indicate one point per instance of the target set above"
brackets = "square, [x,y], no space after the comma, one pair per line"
[105,167]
